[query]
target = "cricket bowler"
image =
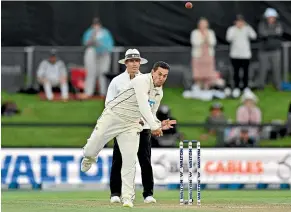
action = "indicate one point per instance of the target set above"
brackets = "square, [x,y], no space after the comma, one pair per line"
[121,120]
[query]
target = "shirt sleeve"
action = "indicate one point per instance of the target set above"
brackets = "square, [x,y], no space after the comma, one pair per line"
[252,33]
[142,87]
[212,38]
[262,30]
[63,69]
[111,92]
[86,37]
[107,41]
[279,30]
[230,34]
[196,39]
[156,107]
[41,69]
[258,116]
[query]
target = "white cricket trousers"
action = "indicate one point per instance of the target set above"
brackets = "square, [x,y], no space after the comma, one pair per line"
[49,91]
[109,126]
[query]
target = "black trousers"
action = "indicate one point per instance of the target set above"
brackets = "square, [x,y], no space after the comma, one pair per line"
[237,64]
[144,157]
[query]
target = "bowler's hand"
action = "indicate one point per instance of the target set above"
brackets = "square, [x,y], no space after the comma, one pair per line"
[167,124]
[157,132]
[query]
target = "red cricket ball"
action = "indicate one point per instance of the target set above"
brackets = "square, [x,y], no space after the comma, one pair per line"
[188,5]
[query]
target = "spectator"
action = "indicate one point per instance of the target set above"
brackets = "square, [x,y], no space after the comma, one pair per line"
[51,73]
[9,108]
[216,117]
[248,113]
[270,32]
[99,43]
[239,37]
[242,140]
[203,41]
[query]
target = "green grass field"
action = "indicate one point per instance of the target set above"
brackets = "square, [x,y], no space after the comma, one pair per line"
[212,201]
[273,104]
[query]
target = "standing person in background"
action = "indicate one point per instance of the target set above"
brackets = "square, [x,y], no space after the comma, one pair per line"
[239,37]
[203,41]
[97,59]
[270,32]
[51,73]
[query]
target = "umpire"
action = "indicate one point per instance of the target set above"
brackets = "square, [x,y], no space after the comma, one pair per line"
[132,62]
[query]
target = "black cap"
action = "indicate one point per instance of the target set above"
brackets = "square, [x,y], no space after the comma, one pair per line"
[240,17]
[96,20]
[53,52]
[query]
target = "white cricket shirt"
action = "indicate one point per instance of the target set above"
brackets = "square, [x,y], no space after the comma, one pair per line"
[138,99]
[117,84]
[52,72]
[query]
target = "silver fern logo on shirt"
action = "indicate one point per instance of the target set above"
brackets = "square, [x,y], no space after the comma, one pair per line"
[151,102]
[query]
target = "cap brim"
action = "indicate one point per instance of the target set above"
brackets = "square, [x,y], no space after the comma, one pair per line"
[142,61]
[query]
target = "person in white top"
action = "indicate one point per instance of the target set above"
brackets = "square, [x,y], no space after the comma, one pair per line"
[121,120]
[53,73]
[203,42]
[132,62]
[239,36]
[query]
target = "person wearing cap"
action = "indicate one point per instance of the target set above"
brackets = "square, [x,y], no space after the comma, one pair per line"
[239,36]
[121,120]
[248,113]
[51,73]
[216,117]
[97,59]
[132,61]
[270,33]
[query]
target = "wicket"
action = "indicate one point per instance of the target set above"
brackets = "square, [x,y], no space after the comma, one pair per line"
[190,175]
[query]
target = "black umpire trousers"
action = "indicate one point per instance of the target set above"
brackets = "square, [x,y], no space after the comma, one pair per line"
[144,157]
[237,64]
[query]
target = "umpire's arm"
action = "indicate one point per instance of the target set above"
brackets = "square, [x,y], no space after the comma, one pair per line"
[111,92]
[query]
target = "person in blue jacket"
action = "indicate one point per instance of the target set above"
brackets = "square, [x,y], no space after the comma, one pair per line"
[99,44]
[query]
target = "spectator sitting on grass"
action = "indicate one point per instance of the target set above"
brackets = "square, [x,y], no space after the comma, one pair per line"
[248,113]
[216,117]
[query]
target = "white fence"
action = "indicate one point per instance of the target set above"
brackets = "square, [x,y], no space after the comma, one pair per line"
[218,166]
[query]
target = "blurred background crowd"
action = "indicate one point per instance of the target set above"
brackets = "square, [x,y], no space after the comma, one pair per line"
[228,87]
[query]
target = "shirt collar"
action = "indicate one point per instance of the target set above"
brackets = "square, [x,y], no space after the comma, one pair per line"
[127,74]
